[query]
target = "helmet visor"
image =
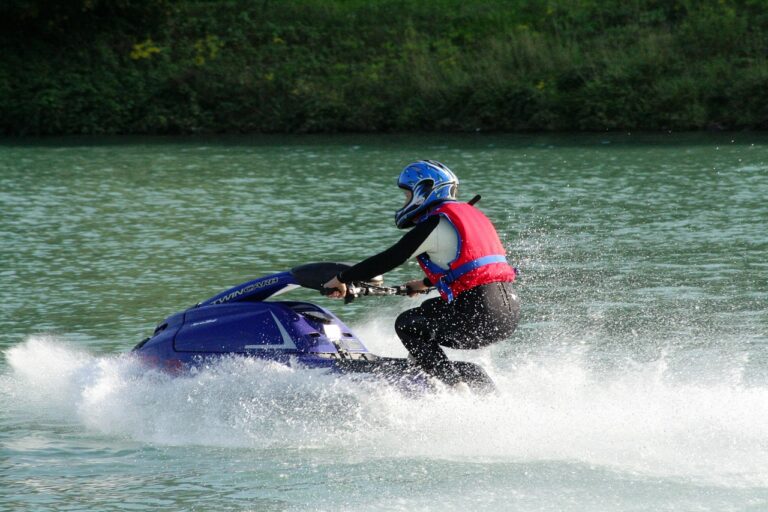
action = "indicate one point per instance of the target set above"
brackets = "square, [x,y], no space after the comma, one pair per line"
[408,196]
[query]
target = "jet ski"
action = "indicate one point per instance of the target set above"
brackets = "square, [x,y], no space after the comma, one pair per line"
[246,321]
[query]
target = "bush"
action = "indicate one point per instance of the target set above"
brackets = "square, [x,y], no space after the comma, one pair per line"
[152,66]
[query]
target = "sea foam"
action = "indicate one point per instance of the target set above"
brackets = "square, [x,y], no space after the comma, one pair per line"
[553,407]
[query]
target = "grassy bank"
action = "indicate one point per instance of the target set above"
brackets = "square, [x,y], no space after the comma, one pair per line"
[157,66]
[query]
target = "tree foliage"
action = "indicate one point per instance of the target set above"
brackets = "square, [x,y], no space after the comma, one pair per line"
[156,66]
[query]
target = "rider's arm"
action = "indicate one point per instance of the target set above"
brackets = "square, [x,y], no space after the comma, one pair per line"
[393,257]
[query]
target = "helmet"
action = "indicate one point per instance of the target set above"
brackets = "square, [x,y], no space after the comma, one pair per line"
[430,183]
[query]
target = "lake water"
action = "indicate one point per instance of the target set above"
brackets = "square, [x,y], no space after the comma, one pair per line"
[637,380]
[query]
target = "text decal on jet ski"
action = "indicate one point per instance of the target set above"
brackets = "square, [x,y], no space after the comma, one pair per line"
[242,291]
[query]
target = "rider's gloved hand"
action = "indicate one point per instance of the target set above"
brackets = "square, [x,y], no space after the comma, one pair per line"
[339,288]
[415,287]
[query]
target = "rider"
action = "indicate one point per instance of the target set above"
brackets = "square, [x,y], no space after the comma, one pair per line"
[461,254]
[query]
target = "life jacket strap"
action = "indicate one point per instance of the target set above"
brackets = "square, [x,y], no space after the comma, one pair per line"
[451,276]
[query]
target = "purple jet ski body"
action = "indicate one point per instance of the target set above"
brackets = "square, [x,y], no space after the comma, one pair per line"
[247,321]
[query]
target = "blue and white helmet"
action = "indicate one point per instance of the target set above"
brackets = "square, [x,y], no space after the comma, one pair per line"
[431,183]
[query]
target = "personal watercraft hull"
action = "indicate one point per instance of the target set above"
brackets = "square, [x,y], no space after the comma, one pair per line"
[404,374]
[241,322]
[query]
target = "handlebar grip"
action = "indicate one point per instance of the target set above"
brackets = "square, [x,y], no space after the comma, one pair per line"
[349,297]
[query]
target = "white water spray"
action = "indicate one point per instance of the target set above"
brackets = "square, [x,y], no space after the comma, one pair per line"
[546,409]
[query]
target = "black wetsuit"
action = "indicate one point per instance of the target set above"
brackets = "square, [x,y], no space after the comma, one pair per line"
[477,317]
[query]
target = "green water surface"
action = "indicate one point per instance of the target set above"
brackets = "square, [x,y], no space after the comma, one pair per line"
[637,379]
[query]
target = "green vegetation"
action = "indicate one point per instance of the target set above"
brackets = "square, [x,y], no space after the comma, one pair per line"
[158,66]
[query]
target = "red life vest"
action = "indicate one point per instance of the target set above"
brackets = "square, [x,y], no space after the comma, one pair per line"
[481,256]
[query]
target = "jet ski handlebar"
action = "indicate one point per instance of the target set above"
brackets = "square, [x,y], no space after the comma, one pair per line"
[315,275]
[358,289]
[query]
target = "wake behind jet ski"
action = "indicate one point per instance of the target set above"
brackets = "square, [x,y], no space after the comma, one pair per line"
[244,321]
